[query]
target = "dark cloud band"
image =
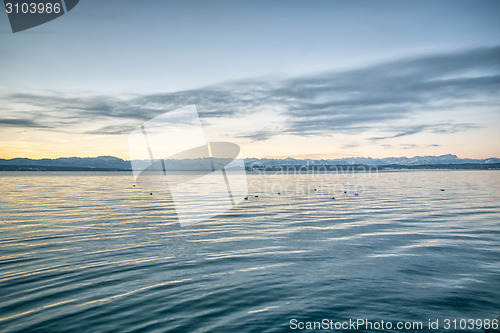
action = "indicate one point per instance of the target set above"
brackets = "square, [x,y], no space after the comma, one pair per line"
[353,100]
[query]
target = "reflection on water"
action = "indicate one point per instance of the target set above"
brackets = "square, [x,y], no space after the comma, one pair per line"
[89,252]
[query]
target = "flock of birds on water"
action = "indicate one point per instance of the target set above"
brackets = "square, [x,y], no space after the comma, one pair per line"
[279,193]
[333,198]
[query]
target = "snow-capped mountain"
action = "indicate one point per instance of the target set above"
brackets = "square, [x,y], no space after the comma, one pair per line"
[110,162]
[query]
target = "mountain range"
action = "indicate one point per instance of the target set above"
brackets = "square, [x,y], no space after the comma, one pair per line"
[115,163]
[417,160]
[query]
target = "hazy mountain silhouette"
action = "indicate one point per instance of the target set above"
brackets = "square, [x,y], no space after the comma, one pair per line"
[115,163]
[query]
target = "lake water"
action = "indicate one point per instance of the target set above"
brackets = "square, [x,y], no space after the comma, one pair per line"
[88,252]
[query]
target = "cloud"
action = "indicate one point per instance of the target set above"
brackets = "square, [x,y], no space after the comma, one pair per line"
[352,101]
[436,128]
[393,91]
[408,146]
[452,128]
[20,123]
[112,130]
[259,135]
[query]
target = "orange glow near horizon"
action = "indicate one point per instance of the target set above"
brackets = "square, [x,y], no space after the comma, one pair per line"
[479,143]
[95,149]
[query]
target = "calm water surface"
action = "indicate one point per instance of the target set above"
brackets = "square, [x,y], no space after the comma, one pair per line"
[87,252]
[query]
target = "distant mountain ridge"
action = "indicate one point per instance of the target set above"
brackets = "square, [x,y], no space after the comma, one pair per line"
[416,160]
[115,163]
[101,162]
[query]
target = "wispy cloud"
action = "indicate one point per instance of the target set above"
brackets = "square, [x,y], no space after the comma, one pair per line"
[390,92]
[435,128]
[112,130]
[350,101]
[20,123]
[259,135]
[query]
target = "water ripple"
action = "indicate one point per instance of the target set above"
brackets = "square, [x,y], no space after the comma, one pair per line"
[94,254]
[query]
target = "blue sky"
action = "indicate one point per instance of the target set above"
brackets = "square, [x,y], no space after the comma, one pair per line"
[294,78]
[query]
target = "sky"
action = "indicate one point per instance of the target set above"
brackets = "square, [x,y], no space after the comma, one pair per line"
[303,79]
